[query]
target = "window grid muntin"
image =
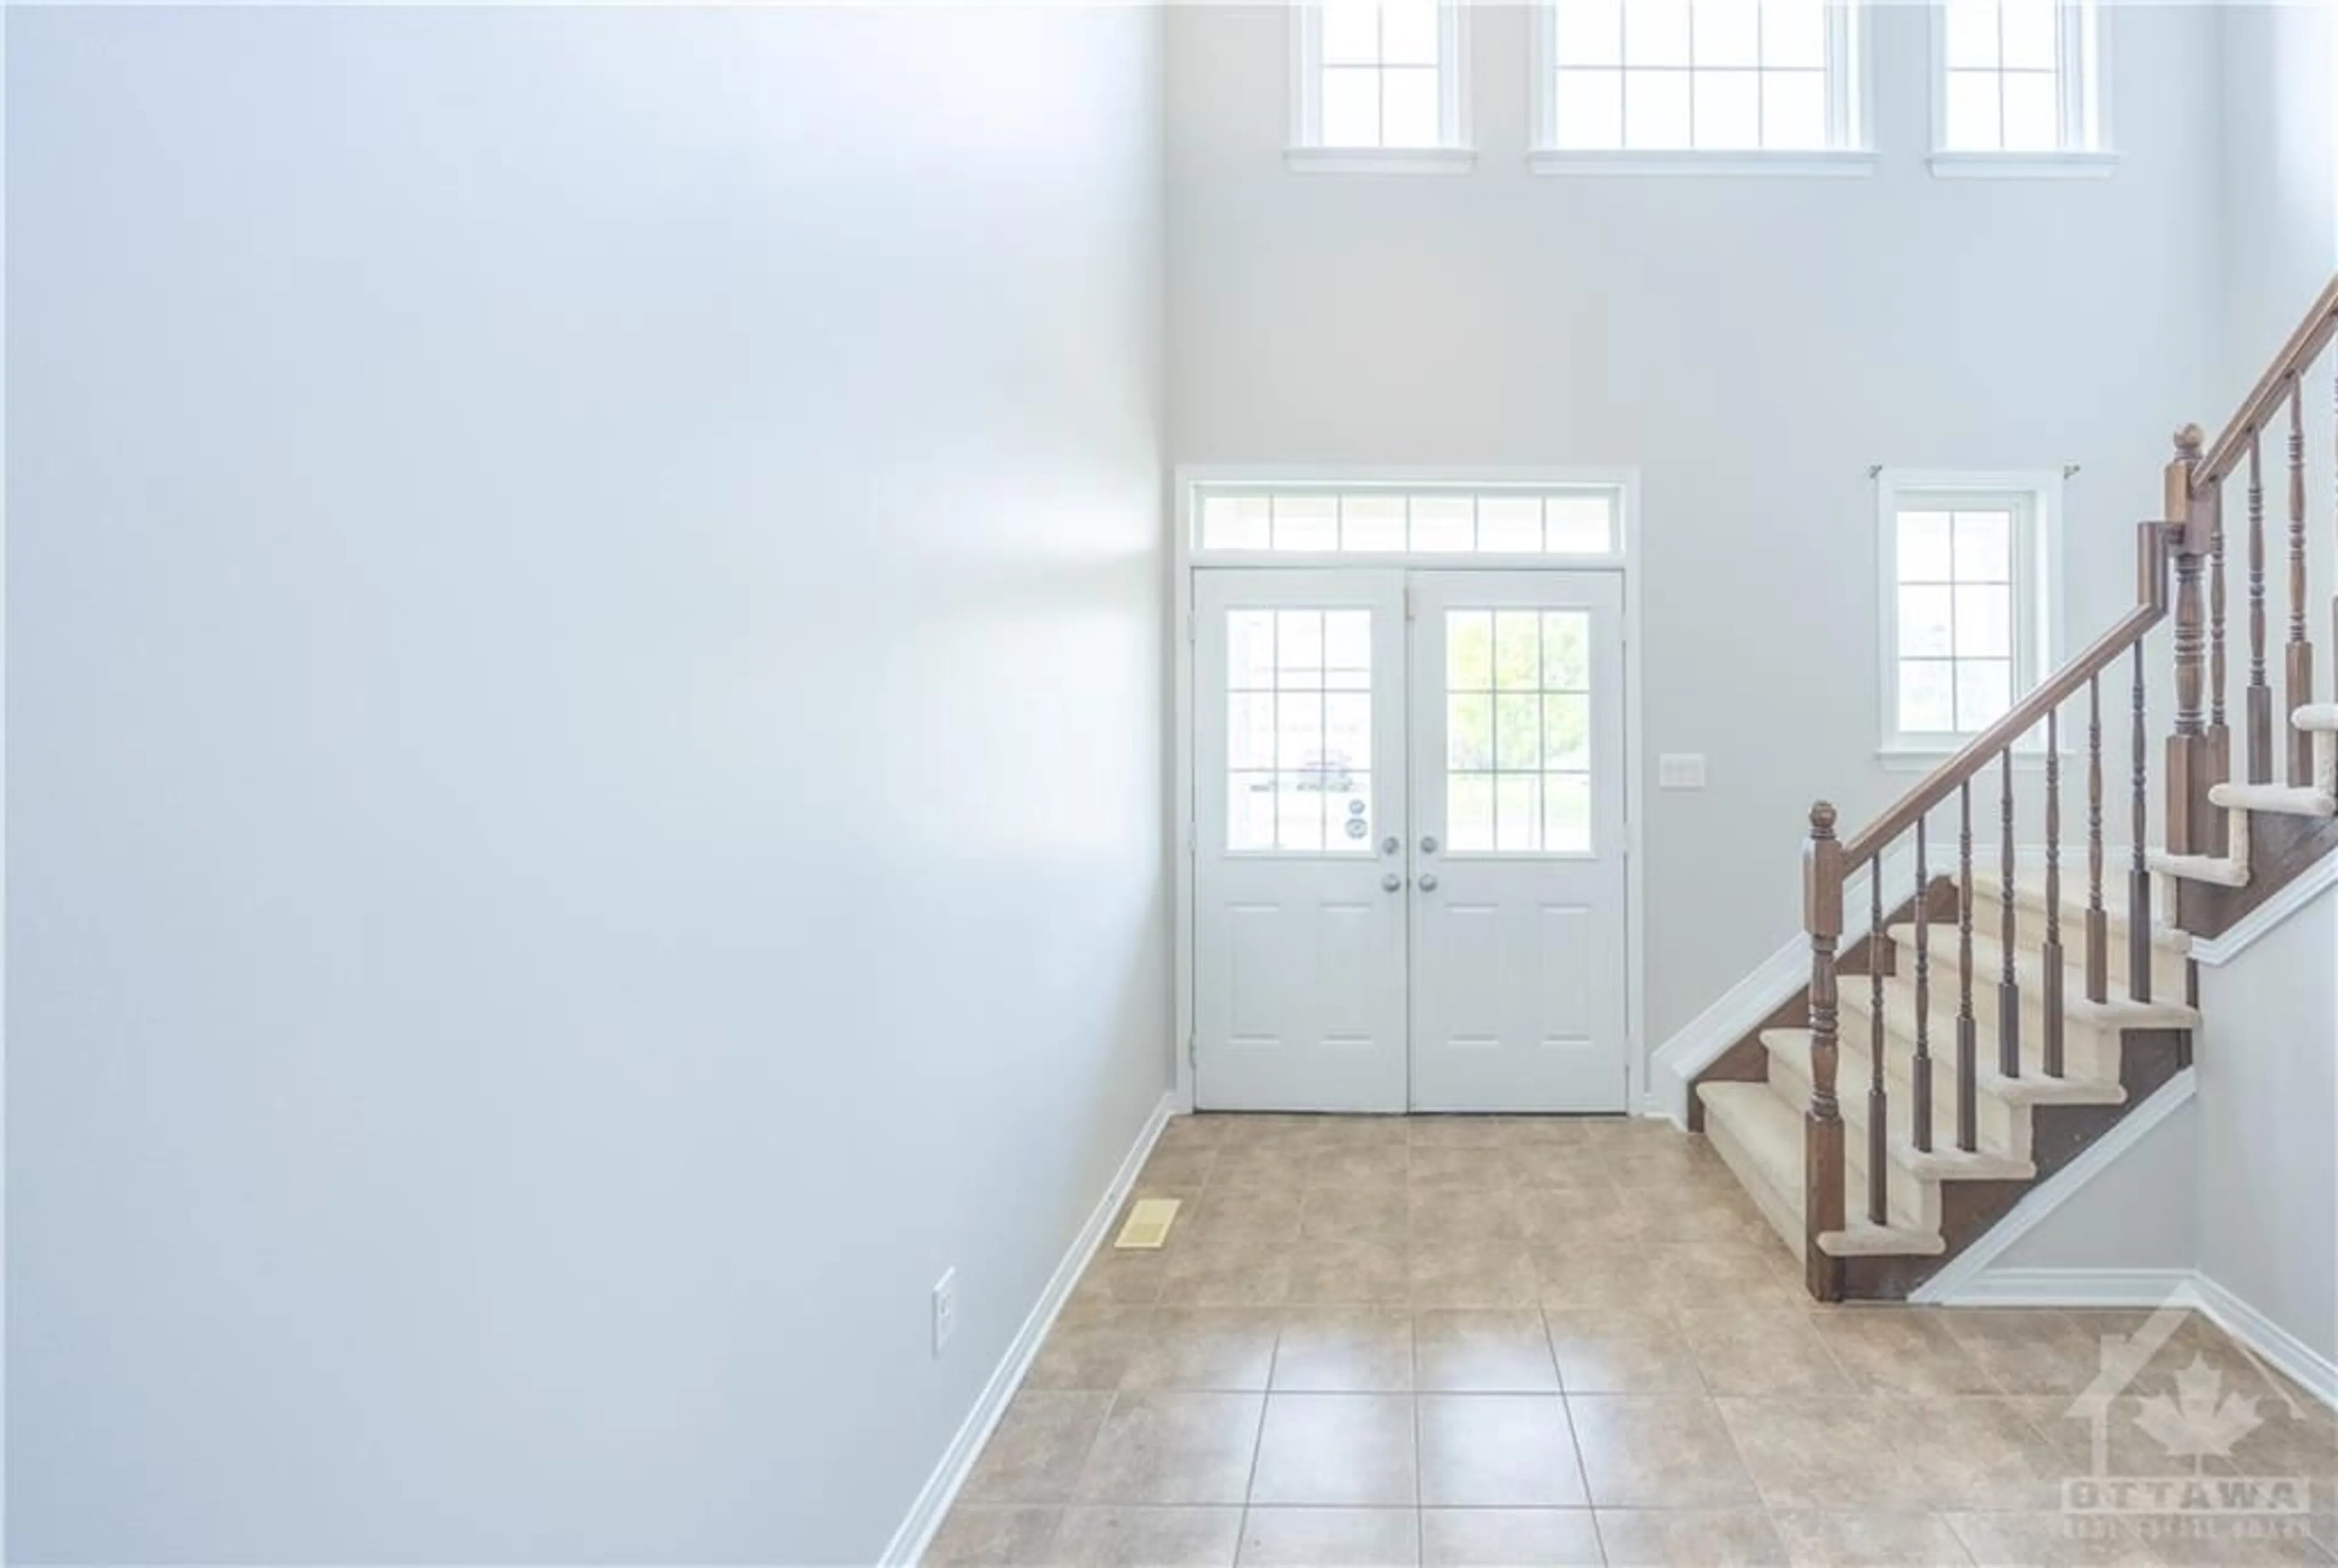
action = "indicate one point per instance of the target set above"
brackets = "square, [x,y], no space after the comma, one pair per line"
[1576,521]
[2014,586]
[1495,771]
[2072,77]
[1832,71]
[1321,71]
[1349,684]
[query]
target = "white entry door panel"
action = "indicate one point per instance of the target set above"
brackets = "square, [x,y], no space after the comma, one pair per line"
[1299,797]
[1408,817]
[1518,909]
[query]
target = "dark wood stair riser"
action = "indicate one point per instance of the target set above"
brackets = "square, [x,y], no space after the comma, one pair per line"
[2281,847]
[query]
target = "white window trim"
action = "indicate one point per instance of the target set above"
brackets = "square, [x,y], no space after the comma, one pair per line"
[1307,154]
[1850,120]
[2086,153]
[2038,612]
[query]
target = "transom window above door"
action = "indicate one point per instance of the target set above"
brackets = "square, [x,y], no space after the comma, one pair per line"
[1623,79]
[1569,520]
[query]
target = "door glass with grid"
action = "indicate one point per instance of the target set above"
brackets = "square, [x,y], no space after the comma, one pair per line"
[1518,730]
[1299,731]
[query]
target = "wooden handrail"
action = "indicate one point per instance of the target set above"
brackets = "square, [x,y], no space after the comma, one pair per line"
[1992,742]
[2264,399]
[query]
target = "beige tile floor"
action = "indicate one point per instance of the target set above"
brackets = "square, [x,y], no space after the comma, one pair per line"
[1537,1341]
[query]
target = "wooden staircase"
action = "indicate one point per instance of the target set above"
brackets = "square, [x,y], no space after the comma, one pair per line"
[2001,1010]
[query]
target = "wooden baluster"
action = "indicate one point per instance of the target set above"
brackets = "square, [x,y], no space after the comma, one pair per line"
[1823,1150]
[1967,1068]
[2216,741]
[2139,876]
[2217,627]
[2050,996]
[2008,987]
[2299,689]
[2259,698]
[1879,1135]
[2098,953]
[2187,745]
[1919,1086]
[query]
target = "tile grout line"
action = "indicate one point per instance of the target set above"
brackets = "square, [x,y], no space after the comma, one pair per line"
[1957,1334]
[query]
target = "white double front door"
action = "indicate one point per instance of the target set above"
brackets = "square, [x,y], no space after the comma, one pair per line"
[1409,841]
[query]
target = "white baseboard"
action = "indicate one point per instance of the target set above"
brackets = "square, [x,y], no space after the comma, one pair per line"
[1693,1048]
[941,1490]
[2262,1337]
[2279,1348]
[2069,1288]
[1968,1279]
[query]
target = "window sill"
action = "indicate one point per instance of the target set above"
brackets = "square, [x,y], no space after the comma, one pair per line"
[1839,161]
[1924,758]
[1379,160]
[2024,165]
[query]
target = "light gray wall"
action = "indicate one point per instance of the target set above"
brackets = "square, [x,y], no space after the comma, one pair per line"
[2278,197]
[2136,1213]
[586,643]
[2268,1188]
[1752,345]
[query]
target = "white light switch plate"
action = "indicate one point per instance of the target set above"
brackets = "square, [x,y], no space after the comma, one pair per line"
[1681,770]
[945,1310]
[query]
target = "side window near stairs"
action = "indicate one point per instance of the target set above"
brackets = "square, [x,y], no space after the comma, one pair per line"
[1967,607]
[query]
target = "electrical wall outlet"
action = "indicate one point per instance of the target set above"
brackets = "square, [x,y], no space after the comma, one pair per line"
[945,1310]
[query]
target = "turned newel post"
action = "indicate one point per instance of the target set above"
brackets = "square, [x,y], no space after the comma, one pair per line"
[1823,1173]
[2190,526]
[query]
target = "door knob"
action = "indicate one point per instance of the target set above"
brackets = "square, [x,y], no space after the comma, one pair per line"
[1391,844]
[1428,881]
[1429,844]
[1391,882]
